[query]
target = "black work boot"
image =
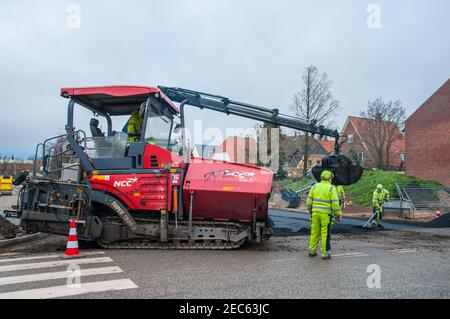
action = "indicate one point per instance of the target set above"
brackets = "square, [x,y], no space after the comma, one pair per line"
[326,256]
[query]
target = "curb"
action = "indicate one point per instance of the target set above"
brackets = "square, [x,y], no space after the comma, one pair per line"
[13,241]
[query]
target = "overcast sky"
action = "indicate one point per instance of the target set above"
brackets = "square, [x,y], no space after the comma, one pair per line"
[253,50]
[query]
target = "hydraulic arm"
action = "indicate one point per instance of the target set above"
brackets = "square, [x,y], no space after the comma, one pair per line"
[345,172]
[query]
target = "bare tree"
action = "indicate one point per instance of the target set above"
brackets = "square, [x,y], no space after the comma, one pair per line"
[383,129]
[314,102]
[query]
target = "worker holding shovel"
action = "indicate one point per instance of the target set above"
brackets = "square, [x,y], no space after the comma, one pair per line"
[341,195]
[380,195]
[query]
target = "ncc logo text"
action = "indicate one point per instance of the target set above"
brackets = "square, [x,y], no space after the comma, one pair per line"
[126,183]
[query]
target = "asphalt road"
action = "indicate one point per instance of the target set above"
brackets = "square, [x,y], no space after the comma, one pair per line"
[410,265]
[277,269]
[412,262]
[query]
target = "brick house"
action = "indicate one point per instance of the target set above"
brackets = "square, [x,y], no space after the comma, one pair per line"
[428,138]
[294,165]
[239,149]
[355,146]
[14,167]
[327,144]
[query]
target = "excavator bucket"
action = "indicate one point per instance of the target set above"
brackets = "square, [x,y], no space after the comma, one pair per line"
[345,172]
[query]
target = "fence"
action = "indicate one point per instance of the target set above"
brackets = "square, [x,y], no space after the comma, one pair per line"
[425,197]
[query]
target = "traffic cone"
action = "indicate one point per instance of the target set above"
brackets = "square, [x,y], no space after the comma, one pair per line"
[438,213]
[72,242]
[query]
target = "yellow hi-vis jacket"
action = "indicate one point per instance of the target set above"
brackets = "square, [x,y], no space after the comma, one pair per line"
[323,199]
[379,197]
[135,127]
[341,192]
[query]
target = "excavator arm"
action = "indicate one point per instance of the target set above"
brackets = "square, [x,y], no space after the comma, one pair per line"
[345,172]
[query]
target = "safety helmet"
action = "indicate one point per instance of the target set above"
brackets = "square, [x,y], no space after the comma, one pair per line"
[142,110]
[379,186]
[326,175]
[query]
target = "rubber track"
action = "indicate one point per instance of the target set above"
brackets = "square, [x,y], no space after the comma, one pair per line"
[185,245]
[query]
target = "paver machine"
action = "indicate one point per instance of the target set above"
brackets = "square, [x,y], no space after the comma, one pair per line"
[150,192]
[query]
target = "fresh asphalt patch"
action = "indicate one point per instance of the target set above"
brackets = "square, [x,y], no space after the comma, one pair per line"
[288,223]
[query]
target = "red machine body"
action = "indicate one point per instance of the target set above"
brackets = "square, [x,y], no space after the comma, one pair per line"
[221,191]
[227,191]
[145,191]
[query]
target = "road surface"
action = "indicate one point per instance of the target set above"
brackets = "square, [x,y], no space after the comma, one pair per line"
[403,262]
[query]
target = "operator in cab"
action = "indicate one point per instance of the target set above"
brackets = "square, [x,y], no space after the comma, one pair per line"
[135,124]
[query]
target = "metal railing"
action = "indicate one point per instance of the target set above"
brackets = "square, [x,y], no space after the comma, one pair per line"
[56,155]
[425,197]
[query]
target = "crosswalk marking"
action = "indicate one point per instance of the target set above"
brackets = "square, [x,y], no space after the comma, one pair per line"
[57,275]
[42,288]
[66,291]
[5,260]
[55,264]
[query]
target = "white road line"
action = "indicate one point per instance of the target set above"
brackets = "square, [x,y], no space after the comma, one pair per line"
[404,250]
[89,253]
[65,291]
[350,255]
[282,260]
[411,251]
[57,275]
[55,263]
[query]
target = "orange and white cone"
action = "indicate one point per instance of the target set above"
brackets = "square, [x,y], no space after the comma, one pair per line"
[438,213]
[72,242]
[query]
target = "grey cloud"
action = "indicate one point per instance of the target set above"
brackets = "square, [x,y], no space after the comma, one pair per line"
[251,50]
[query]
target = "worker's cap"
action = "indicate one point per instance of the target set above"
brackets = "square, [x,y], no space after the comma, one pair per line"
[326,175]
[379,186]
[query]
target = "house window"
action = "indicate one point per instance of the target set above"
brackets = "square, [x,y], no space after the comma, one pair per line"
[350,138]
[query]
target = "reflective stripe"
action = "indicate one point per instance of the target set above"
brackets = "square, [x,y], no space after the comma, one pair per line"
[324,200]
[72,244]
[322,208]
[73,231]
[320,200]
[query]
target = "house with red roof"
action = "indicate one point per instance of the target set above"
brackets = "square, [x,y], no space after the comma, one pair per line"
[239,149]
[427,133]
[328,145]
[356,145]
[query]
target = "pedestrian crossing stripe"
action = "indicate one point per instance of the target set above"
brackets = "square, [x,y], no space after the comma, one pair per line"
[5,260]
[67,291]
[18,264]
[57,263]
[57,275]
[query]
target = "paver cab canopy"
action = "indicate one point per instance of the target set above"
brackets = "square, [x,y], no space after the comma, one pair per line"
[115,100]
